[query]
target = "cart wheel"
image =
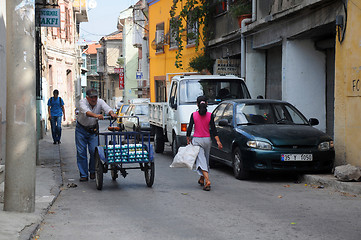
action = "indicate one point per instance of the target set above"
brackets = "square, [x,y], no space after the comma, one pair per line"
[149,173]
[114,173]
[99,169]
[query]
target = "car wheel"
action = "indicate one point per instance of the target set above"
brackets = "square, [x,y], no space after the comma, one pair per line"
[174,146]
[158,140]
[238,165]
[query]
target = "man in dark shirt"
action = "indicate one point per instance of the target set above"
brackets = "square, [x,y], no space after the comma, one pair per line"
[56,110]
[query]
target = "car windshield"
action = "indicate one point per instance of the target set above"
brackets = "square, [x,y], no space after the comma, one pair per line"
[266,113]
[141,110]
[216,90]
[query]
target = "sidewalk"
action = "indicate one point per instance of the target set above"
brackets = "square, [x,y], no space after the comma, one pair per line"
[15,225]
[22,226]
[328,180]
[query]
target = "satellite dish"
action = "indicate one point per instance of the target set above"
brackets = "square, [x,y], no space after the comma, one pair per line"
[153,45]
[92,4]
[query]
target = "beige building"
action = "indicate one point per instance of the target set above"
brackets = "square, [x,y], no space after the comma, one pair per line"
[110,56]
[62,57]
[348,85]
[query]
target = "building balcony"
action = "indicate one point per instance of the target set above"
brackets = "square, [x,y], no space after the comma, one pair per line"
[80,10]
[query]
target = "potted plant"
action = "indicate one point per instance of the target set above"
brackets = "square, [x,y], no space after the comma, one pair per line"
[241,9]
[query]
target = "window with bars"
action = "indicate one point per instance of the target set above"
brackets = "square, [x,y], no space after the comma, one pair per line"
[67,24]
[93,66]
[159,37]
[192,29]
[173,32]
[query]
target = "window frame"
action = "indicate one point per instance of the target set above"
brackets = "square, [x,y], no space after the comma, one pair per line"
[192,27]
[159,44]
[173,34]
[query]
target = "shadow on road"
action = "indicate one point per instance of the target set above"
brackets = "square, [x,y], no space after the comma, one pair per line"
[262,176]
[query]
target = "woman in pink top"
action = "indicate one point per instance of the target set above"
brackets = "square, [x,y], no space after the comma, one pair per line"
[203,122]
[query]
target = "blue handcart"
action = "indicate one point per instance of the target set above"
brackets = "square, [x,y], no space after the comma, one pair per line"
[119,151]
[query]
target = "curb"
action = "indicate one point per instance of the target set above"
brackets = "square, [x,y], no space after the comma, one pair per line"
[32,233]
[328,180]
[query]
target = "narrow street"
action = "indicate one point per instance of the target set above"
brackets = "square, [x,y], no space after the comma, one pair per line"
[265,207]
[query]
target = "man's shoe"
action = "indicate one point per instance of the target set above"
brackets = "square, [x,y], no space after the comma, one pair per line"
[92,175]
[59,142]
[83,179]
[54,142]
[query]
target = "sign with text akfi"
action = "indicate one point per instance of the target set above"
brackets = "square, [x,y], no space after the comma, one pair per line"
[121,76]
[50,17]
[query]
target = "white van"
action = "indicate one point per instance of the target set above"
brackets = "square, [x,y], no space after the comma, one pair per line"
[169,120]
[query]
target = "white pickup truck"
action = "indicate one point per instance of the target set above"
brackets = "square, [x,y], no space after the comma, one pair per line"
[169,120]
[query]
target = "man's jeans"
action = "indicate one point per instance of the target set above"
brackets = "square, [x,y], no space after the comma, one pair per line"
[55,122]
[84,140]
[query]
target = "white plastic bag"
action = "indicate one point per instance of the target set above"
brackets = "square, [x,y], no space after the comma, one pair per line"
[185,157]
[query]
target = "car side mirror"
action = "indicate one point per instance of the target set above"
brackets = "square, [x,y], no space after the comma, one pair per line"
[223,123]
[132,114]
[313,121]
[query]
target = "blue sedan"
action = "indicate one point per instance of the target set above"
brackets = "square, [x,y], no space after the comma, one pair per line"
[269,135]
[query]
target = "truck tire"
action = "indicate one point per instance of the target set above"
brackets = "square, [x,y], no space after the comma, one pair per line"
[158,140]
[175,146]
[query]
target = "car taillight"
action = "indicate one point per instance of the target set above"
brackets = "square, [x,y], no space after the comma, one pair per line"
[183,127]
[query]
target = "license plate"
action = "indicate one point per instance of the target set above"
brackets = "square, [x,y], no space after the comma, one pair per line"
[296,157]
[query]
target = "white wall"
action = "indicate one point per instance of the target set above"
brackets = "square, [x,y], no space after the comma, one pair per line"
[255,72]
[2,79]
[130,54]
[304,79]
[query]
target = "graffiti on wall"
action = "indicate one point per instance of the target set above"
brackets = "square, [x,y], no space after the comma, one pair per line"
[354,82]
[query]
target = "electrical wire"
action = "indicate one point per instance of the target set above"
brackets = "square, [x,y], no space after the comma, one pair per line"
[94,34]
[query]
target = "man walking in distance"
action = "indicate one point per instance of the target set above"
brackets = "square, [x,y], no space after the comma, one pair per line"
[56,110]
[86,131]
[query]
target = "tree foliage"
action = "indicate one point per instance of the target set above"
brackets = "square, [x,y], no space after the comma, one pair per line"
[202,62]
[195,12]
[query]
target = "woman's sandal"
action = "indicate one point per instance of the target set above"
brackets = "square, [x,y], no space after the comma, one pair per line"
[200,183]
[207,187]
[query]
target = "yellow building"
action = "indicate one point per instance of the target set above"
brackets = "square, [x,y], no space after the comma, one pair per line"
[163,48]
[348,88]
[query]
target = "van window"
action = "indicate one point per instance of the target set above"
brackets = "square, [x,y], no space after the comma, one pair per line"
[215,90]
[173,94]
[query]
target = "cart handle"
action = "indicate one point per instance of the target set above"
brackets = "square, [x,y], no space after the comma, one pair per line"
[111,120]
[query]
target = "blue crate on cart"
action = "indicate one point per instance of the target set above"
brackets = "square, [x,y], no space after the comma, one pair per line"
[127,153]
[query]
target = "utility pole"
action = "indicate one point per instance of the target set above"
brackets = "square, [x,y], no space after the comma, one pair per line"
[20,165]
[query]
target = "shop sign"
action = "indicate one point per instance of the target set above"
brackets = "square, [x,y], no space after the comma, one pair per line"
[49,17]
[139,75]
[121,76]
[227,67]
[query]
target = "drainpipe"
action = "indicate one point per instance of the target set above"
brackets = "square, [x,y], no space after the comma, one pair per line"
[243,48]
[243,38]
[254,10]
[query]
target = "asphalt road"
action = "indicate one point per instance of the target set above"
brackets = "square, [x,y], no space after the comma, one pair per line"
[176,207]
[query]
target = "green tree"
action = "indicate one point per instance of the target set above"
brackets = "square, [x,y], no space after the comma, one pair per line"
[195,12]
